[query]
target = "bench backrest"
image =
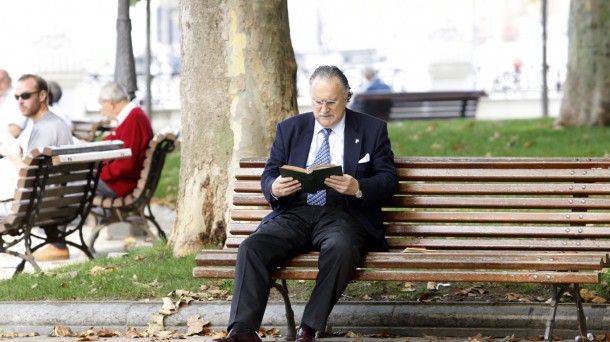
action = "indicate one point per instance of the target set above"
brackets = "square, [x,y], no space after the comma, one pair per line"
[89,130]
[59,183]
[421,105]
[158,148]
[497,204]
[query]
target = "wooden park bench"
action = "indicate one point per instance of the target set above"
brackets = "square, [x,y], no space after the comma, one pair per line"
[524,220]
[89,130]
[135,207]
[56,188]
[419,105]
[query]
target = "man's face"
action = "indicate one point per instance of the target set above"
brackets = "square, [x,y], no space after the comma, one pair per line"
[31,99]
[108,109]
[328,101]
[5,83]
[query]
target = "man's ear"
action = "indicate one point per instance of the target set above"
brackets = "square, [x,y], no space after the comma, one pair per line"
[44,95]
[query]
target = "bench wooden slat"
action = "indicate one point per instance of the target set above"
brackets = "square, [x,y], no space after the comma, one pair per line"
[578,218]
[487,243]
[427,261]
[466,202]
[99,146]
[91,156]
[490,244]
[486,162]
[508,175]
[572,189]
[392,230]
[423,275]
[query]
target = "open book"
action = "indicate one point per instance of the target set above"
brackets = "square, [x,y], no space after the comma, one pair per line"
[311,180]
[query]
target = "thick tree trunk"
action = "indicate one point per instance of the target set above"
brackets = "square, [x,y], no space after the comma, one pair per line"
[585,99]
[238,80]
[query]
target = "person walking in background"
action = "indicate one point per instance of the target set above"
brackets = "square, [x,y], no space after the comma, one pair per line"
[373,84]
[342,223]
[372,81]
[11,119]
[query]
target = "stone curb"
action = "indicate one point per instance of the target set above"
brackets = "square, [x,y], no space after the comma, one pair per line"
[464,319]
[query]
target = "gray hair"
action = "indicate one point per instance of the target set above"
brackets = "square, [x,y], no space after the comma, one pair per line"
[114,92]
[329,72]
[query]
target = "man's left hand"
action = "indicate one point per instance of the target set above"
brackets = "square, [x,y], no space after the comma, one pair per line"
[346,184]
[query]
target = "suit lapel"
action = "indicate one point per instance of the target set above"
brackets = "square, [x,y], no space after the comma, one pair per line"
[301,144]
[352,144]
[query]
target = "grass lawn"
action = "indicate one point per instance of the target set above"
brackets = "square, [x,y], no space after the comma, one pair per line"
[154,272]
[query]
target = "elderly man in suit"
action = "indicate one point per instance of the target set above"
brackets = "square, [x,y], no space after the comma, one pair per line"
[342,223]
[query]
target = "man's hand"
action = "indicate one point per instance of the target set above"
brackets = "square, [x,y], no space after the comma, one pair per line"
[284,186]
[346,184]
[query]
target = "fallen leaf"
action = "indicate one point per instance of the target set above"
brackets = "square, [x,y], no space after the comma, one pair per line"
[99,269]
[169,308]
[61,331]
[195,324]
[598,300]
[129,242]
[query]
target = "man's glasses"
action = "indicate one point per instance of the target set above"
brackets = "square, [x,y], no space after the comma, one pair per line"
[26,96]
[320,103]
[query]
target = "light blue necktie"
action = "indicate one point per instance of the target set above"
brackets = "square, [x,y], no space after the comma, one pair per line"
[322,157]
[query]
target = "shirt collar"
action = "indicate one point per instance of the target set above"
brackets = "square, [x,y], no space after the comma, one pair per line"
[338,128]
[125,112]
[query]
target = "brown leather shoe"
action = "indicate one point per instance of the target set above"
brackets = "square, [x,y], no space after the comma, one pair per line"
[50,252]
[239,337]
[306,334]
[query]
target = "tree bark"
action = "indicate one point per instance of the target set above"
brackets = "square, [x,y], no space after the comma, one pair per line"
[585,99]
[125,66]
[238,79]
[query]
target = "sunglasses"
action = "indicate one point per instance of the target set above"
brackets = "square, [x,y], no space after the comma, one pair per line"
[26,96]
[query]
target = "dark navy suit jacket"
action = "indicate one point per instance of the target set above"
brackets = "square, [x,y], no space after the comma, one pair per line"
[364,134]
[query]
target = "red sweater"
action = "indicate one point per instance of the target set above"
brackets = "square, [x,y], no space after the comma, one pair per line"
[122,175]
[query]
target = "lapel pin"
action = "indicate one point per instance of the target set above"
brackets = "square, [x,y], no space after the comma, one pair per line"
[357,141]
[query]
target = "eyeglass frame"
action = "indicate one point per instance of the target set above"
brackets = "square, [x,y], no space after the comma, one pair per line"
[320,103]
[26,95]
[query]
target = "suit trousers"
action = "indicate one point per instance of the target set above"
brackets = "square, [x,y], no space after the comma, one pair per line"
[332,231]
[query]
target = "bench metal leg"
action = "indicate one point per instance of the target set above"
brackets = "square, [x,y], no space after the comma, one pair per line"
[283,290]
[558,291]
[150,217]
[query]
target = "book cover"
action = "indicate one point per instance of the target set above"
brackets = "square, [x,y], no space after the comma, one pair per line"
[311,180]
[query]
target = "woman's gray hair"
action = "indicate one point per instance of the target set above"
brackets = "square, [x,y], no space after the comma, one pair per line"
[329,72]
[114,92]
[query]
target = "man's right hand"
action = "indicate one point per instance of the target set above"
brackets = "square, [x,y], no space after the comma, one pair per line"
[284,186]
